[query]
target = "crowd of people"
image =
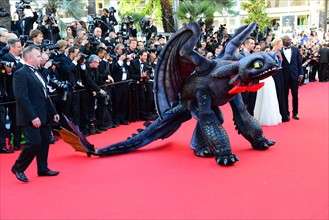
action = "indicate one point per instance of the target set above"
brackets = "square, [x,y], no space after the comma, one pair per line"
[101,79]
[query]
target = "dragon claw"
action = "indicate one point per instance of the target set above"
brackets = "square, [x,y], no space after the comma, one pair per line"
[227,160]
[203,152]
[263,145]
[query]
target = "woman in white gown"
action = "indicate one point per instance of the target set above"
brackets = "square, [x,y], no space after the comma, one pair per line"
[267,110]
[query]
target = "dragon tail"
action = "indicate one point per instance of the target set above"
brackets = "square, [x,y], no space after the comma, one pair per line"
[158,129]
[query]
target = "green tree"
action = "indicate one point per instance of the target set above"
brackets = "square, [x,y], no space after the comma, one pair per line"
[71,8]
[257,13]
[151,8]
[191,11]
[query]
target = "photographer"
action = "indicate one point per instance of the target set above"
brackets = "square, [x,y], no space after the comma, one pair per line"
[88,95]
[109,21]
[13,56]
[49,28]
[132,51]
[142,72]
[224,37]
[36,37]
[3,33]
[152,31]
[120,91]
[70,74]
[128,27]
[24,24]
[103,111]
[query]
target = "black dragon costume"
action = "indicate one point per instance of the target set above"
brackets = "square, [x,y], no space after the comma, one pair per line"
[189,85]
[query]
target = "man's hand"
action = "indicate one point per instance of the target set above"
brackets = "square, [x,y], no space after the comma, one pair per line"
[110,79]
[77,57]
[56,117]
[102,92]
[36,122]
[48,64]
[143,74]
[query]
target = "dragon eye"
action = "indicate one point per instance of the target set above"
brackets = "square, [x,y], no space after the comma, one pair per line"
[258,64]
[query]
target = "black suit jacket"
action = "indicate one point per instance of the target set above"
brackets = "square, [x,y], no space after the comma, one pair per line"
[68,70]
[117,72]
[135,69]
[294,68]
[31,101]
[9,78]
[29,21]
[324,55]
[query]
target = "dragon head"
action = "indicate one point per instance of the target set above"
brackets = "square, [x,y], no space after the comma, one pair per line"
[253,68]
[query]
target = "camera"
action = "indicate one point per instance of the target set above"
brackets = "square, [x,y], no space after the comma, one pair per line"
[92,39]
[127,20]
[104,97]
[62,85]
[4,64]
[156,49]
[123,34]
[49,19]
[112,10]
[55,63]
[144,24]
[221,28]
[23,39]
[82,58]
[149,71]
[132,55]
[20,6]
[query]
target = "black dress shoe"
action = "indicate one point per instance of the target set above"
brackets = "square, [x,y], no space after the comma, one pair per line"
[48,173]
[296,117]
[102,128]
[124,123]
[17,147]
[19,175]
[5,150]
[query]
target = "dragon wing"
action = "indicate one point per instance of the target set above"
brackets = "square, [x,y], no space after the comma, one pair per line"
[177,61]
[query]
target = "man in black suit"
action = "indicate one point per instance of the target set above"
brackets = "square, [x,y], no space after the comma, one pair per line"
[292,72]
[25,24]
[109,21]
[324,64]
[13,56]
[69,71]
[138,71]
[34,109]
[249,98]
[120,91]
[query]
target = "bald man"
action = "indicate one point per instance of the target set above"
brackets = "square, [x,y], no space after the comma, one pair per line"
[292,72]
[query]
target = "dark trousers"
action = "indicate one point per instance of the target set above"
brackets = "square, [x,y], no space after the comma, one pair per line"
[293,86]
[323,72]
[103,114]
[14,129]
[87,108]
[314,69]
[120,102]
[249,99]
[37,145]
[2,125]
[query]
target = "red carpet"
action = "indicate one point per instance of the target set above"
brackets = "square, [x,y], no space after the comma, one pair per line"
[166,181]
